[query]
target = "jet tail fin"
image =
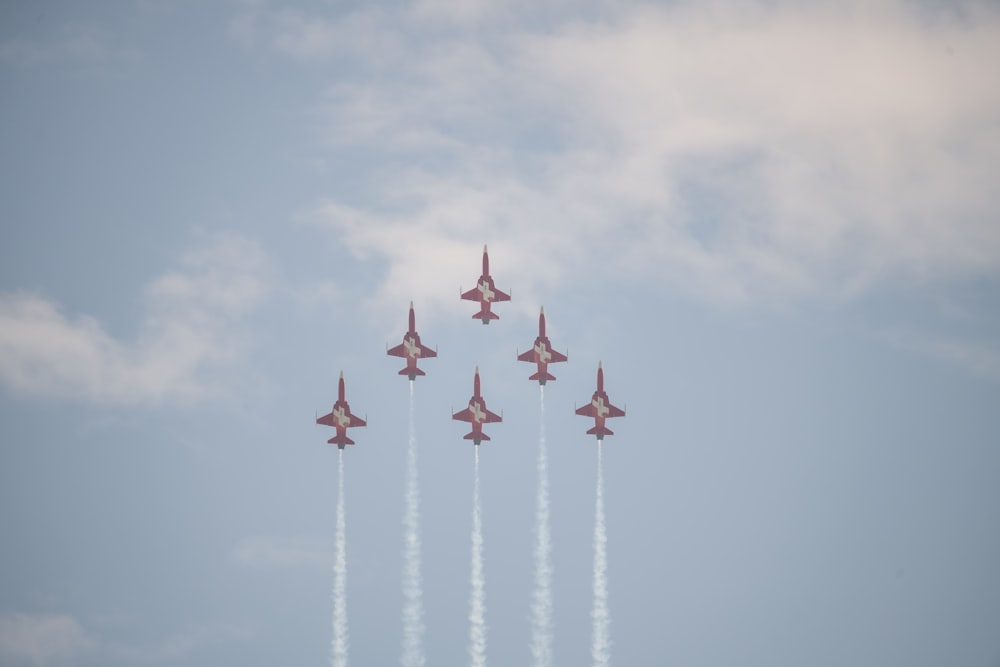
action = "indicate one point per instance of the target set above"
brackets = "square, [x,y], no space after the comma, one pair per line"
[486,315]
[600,432]
[542,376]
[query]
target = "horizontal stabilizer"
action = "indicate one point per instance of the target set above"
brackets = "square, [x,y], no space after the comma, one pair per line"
[483,314]
[476,436]
[413,371]
[341,441]
[542,375]
[600,431]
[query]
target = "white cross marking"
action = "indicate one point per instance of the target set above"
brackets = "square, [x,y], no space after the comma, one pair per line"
[341,417]
[477,412]
[487,293]
[412,349]
[602,410]
[543,353]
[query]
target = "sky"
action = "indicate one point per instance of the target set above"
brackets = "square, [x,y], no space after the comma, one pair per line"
[774,223]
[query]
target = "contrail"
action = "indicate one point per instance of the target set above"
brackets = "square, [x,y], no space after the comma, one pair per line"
[338,650]
[413,627]
[541,599]
[477,596]
[601,649]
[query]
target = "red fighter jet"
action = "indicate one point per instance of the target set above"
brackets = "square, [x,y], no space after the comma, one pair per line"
[341,418]
[477,414]
[485,292]
[541,353]
[411,348]
[600,408]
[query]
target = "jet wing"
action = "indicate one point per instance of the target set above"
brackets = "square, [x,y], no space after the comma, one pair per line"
[398,351]
[357,421]
[500,296]
[530,355]
[463,415]
[615,411]
[472,295]
[326,420]
[426,351]
[491,416]
[557,356]
[586,410]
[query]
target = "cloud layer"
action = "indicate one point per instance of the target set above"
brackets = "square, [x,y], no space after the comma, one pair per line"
[189,336]
[729,151]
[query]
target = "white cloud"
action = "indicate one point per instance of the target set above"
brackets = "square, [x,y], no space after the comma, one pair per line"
[39,640]
[732,151]
[190,334]
[268,551]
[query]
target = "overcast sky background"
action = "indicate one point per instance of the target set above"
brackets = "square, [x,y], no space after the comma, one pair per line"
[775,222]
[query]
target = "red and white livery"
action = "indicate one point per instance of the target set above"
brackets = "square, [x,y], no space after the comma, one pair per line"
[485,292]
[477,414]
[411,349]
[542,354]
[341,418]
[600,408]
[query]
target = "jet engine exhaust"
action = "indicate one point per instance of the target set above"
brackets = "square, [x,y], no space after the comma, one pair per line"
[477,595]
[338,648]
[413,629]
[601,648]
[541,599]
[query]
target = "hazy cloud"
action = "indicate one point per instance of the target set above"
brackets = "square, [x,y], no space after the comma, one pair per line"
[978,357]
[39,640]
[74,43]
[190,333]
[269,551]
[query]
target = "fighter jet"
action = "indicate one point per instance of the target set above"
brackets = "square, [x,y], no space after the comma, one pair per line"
[485,292]
[542,353]
[477,414]
[341,418]
[411,348]
[600,408]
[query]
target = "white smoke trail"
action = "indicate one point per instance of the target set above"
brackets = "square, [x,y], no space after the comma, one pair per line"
[601,649]
[541,599]
[338,649]
[477,596]
[413,628]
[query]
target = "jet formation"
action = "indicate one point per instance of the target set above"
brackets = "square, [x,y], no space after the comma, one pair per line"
[541,354]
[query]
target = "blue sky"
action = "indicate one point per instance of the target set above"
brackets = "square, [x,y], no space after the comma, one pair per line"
[775,223]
